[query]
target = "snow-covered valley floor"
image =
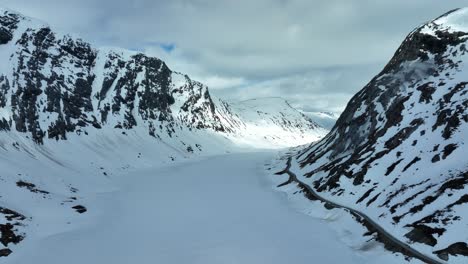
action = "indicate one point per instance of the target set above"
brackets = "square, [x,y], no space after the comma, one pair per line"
[219,209]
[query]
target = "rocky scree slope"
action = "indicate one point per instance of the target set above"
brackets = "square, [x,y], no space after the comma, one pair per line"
[398,151]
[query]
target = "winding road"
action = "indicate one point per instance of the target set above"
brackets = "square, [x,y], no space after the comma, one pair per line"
[210,210]
[386,237]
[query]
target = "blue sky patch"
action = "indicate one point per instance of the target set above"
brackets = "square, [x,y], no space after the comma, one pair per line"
[167,47]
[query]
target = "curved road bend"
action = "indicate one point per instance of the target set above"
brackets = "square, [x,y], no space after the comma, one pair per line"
[390,239]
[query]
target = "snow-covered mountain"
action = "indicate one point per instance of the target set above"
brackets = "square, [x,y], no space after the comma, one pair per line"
[324,119]
[267,122]
[55,87]
[72,117]
[398,151]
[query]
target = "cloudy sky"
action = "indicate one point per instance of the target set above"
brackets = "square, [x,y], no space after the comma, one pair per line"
[315,53]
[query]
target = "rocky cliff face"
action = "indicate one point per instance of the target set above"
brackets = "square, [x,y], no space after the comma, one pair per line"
[53,86]
[398,150]
[57,85]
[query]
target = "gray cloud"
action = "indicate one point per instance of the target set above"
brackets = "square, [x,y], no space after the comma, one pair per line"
[317,90]
[317,54]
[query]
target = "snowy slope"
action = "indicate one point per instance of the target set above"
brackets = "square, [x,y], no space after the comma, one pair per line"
[269,123]
[217,209]
[324,119]
[398,151]
[72,117]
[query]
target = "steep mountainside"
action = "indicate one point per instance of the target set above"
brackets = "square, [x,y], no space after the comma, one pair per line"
[54,86]
[73,118]
[398,151]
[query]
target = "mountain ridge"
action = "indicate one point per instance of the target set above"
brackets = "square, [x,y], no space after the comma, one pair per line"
[397,151]
[75,118]
[60,85]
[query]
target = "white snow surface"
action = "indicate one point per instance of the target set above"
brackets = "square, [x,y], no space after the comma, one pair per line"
[325,119]
[214,209]
[456,21]
[268,123]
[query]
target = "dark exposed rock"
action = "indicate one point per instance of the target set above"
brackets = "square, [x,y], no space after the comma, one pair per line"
[424,234]
[11,215]
[456,183]
[419,45]
[8,234]
[416,159]
[426,90]
[448,150]
[444,215]
[31,187]
[365,195]
[5,252]
[373,199]
[5,36]
[80,208]
[51,89]
[460,248]
[9,230]
[391,168]
[8,23]
[403,189]
[436,158]
[449,116]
